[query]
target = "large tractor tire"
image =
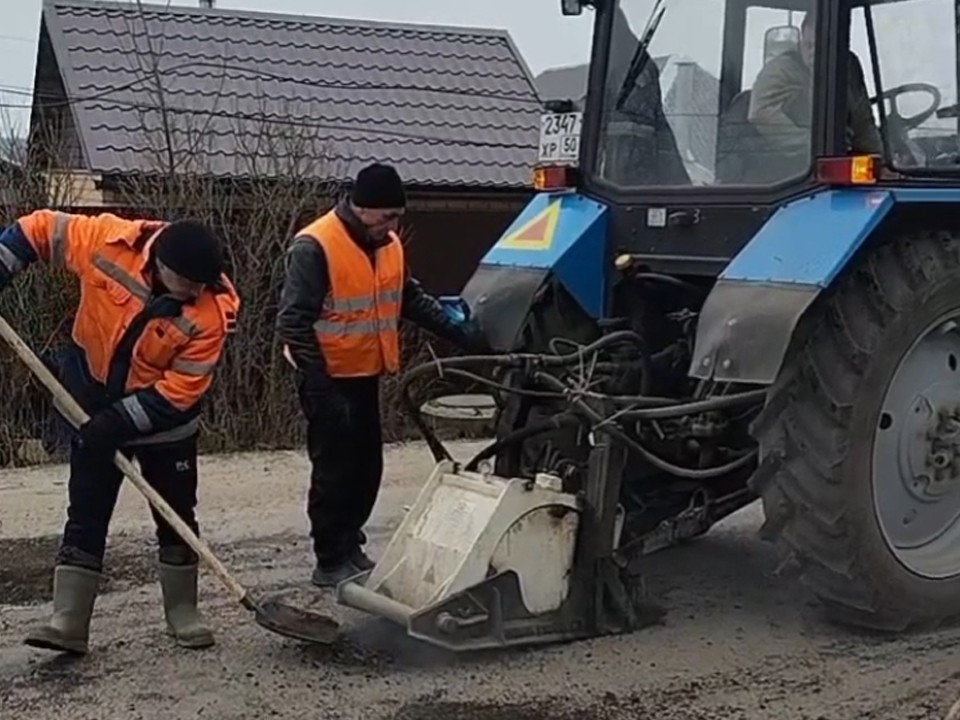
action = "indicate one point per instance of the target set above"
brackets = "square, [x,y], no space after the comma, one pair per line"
[860,440]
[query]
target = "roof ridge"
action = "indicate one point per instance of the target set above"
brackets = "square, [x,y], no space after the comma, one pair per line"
[423,28]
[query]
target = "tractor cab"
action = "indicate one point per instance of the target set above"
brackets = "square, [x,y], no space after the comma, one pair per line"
[692,106]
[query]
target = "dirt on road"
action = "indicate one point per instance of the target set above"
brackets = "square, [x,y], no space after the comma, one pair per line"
[737,643]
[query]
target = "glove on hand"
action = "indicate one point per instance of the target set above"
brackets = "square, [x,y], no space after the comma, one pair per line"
[105,431]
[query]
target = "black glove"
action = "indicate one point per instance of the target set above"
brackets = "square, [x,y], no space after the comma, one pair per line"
[323,402]
[105,431]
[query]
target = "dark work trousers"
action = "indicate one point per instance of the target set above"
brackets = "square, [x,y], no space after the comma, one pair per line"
[170,468]
[346,468]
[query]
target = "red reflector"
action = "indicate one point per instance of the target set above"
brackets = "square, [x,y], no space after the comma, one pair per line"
[552,178]
[852,170]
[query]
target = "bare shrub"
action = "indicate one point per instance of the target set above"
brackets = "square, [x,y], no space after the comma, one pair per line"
[282,176]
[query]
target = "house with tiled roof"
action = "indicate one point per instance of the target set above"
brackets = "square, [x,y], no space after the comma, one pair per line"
[139,89]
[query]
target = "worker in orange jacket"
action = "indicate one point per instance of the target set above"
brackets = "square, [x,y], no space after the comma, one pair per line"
[155,309]
[345,290]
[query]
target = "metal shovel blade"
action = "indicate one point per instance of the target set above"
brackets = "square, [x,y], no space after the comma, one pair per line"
[296,623]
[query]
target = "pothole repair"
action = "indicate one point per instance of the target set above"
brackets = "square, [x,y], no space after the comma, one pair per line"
[26,572]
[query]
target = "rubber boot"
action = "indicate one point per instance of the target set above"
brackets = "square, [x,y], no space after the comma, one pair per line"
[68,629]
[184,621]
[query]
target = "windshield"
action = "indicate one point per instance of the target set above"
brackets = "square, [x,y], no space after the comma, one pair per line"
[916,43]
[706,93]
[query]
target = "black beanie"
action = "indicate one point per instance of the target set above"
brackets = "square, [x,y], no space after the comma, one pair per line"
[378,186]
[190,249]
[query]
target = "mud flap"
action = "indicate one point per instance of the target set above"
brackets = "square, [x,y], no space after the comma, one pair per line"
[500,298]
[745,330]
[559,236]
[748,320]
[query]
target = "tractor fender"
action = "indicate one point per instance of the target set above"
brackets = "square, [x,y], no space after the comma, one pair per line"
[559,235]
[750,315]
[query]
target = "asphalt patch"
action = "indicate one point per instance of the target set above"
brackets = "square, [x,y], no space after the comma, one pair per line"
[26,568]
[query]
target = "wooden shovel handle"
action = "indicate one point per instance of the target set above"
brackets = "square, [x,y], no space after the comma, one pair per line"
[77,417]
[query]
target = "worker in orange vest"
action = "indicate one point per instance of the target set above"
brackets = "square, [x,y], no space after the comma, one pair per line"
[345,291]
[155,309]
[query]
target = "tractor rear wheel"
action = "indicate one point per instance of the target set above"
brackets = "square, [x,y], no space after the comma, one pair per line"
[860,440]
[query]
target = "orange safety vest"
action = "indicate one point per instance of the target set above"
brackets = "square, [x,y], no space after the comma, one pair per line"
[358,327]
[177,355]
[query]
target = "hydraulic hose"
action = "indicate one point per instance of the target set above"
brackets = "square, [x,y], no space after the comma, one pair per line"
[554,422]
[451,366]
[692,408]
[600,425]
[639,407]
[518,360]
[437,448]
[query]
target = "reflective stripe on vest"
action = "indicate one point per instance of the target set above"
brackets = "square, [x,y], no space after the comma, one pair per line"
[360,304]
[358,329]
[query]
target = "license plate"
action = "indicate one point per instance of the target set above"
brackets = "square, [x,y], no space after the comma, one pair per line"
[560,137]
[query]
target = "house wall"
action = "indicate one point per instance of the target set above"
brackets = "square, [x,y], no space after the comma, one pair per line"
[447,243]
[53,135]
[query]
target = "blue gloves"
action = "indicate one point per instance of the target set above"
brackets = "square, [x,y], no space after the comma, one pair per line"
[470,336]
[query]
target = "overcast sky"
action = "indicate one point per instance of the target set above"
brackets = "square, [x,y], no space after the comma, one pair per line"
[545,37]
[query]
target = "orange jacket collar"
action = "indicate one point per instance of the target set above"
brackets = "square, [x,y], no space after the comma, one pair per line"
[155,227]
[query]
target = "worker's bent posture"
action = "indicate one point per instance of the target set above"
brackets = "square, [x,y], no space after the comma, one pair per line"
[155,309]
[345,291]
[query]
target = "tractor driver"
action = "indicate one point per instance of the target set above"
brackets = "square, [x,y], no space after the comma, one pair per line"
[782,100]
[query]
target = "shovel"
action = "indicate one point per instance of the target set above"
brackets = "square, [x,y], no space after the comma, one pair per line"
[273,615]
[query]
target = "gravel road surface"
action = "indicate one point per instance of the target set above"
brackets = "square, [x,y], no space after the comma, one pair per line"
[737,643]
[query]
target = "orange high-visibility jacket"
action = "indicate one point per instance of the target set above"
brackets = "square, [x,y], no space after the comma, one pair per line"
[173,359]
[358,328]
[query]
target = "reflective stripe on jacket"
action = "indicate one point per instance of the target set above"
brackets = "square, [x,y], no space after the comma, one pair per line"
[358,328]
[153,356]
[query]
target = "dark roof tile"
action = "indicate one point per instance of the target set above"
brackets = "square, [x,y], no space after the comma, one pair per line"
[446,105]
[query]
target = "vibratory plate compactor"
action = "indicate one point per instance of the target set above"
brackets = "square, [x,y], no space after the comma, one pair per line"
[481,561]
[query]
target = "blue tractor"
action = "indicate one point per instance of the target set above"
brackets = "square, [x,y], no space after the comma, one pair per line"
[739,280]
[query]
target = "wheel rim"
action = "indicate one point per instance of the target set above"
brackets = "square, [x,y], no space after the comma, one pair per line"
[916,455]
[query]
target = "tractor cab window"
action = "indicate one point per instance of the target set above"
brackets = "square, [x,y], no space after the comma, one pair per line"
[915,79]
[707,93]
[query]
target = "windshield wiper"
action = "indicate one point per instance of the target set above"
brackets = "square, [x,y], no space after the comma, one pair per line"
[640,56]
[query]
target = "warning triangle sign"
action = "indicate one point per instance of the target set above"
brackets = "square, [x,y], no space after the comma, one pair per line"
[537,234]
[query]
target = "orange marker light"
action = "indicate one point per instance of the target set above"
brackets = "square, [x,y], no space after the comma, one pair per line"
[852,170]
[552,178]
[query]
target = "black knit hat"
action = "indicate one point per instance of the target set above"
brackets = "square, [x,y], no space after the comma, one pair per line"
[190,249]
[378,186]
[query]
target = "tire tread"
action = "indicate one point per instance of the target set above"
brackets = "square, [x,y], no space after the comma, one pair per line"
[804,429]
